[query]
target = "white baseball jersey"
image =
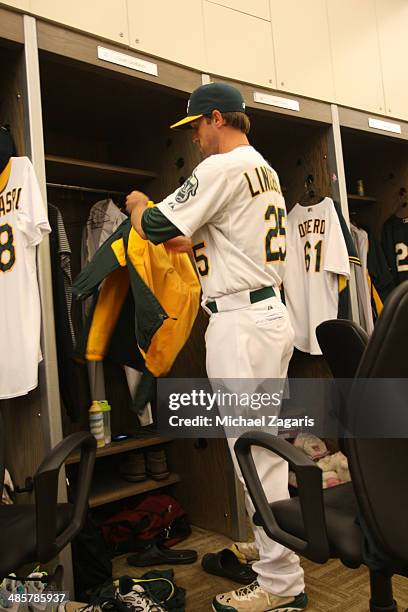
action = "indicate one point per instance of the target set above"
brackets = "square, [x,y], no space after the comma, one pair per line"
[23,223]
[233,209]
[316,255]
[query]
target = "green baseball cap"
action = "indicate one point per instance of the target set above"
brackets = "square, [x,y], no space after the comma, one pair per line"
[207,98]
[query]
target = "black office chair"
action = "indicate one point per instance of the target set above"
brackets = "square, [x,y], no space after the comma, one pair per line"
[343,344]
[340,522]
[36,533]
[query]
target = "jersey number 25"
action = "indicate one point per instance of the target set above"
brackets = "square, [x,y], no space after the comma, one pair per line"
[272,252]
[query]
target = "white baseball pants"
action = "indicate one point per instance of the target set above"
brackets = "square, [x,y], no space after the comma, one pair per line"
[257,342]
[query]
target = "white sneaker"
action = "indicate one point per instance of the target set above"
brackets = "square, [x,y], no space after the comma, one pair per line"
[136,599]
[35,586]
[10,587]
[253,598]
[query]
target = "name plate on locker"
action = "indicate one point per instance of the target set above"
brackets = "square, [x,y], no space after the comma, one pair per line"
[128,61]
[386,126]
[276,101]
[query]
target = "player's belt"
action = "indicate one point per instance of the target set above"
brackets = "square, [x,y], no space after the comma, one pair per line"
[254,296]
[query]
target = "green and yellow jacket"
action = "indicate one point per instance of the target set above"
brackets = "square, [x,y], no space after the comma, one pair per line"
[146,299]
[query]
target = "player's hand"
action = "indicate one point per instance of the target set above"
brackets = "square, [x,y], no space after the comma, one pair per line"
[179,244]
[136,198]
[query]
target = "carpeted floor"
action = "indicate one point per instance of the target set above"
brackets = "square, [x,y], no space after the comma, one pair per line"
[331,587]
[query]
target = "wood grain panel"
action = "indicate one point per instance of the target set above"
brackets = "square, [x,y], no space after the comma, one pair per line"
[11,94]
[11,26]
[76,46]
[25,446]
[382,163]
[308,109]
[207,476]
[295,149]
[358,120]
[24,437]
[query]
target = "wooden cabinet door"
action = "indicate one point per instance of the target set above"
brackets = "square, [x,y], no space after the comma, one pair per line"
[172,30]
[238,46]
[356,54]
[393,26]
[105,18]
[302,48]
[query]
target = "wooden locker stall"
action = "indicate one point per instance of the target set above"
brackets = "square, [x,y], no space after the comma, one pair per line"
[106,132]
[379,159]
[22,415]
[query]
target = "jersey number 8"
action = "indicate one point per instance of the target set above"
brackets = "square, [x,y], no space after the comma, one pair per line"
[7,250]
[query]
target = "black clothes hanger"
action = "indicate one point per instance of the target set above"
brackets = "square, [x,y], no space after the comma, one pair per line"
[312,194]
[7,147]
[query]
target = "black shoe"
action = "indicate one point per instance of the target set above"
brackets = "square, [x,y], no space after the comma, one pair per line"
[225,564]
[155,554]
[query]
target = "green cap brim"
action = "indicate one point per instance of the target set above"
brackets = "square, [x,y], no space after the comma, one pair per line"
[185,121]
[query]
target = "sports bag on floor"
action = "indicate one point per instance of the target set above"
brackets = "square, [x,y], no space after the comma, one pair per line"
[157,518]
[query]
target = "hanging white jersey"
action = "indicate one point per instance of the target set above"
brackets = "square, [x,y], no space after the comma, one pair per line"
[23,223]
[233,209]
[316,255]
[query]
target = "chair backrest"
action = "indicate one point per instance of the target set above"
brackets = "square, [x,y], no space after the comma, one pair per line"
[2,453]
[342,343]
[379,465]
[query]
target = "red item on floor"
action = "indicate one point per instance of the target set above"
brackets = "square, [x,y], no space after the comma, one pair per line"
[158,518]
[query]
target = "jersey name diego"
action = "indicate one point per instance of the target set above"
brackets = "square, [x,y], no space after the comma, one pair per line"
[316,255]
[23,223]
[233,209]
[395,244]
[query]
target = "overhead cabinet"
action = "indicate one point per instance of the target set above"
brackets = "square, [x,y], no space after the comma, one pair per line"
[356,54]
[302,49]
[173,30]
[24,5]
[257,8]
[393,26]
[238,45]
[106,18]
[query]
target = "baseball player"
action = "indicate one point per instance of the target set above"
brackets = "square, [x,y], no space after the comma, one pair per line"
[23,224]
[232,214]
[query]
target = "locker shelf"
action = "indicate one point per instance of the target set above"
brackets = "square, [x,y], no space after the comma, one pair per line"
[122,447]
[352,196]
[107,488]
[70,171]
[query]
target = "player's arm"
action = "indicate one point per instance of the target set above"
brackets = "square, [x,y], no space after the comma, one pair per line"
[152,225]
[136,204]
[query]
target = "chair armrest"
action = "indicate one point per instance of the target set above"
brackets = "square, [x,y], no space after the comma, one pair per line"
[309,479]
[49,543]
